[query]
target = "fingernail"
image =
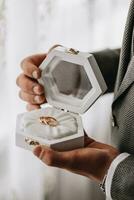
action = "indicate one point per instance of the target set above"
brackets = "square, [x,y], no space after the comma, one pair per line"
[35,74]
[37,151]
[37,99]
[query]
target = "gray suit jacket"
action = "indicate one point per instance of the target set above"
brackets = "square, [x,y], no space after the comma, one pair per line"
[122,107]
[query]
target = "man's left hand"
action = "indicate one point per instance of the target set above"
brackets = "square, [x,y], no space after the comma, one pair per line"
[92,161]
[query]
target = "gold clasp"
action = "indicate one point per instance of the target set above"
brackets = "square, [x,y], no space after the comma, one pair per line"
[31,142]
[73,51]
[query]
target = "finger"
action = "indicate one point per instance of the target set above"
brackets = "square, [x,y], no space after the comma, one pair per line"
[29,85]
[31,107]
[32,99]
[69,160]
[30,65]
[54,158]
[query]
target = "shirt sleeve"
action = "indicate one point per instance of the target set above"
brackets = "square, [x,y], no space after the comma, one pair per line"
[111,171]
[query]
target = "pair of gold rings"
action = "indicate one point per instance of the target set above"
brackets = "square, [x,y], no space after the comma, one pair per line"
[46,120]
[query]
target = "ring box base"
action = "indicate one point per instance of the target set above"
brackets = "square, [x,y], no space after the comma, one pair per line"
[67,143]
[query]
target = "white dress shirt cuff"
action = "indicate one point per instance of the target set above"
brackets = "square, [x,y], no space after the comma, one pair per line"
[111,172]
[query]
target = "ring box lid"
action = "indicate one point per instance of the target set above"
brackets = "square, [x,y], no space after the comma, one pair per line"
[72,80]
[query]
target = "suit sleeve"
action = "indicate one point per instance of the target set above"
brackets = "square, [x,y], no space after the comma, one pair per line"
[122,187]
[108,61]
[114,191]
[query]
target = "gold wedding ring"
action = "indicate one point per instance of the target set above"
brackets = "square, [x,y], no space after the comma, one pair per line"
[31,142]
[46,120]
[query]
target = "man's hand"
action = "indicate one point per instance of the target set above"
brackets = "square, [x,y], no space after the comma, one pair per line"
[91,161]
[31,91]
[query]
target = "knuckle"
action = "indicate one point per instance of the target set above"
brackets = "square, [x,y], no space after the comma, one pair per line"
[17,80]
[22,63]
[20,80]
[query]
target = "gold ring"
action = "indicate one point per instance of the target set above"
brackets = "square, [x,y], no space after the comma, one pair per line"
[46,120]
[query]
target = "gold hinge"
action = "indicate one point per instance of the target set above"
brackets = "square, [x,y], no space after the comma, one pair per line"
[73,51]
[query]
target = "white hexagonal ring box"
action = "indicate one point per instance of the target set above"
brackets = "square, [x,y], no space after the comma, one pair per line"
[72,83]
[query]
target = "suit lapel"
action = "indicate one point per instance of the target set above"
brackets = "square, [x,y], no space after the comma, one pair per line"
[132,48]
[127,81]
[126,67]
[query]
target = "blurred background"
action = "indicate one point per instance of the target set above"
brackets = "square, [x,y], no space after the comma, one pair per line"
[32,26]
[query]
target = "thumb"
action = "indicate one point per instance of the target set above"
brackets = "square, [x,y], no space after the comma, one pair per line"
[52,158]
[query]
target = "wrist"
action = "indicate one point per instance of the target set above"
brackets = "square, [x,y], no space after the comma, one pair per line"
[111,158]
[111,155]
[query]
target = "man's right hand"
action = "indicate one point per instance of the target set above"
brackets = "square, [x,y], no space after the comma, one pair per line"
[31,91]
